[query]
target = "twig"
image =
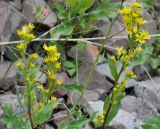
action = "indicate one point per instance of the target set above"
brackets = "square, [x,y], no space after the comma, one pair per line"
[73,39]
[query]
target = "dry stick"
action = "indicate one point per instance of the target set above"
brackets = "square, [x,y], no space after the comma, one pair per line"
[74,39]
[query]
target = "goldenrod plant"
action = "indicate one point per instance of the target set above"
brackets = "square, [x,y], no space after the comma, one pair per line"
[39,102]
[137,36]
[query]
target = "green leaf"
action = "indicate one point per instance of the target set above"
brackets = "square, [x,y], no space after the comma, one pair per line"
[62,30]
[71,72]
[114,108]
[69,64]
[80,123]
[12,119]
[72,3]
[45,113]
[61,12]
[84,5]
[154,62]
[104,10]
[139,60]
[152,123]
[79,6]
[148,49]
[74,87]
[112,66]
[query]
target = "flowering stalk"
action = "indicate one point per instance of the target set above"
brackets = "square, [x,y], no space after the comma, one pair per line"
[28,69]
[133,22]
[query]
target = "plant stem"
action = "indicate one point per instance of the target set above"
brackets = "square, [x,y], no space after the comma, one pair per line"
[112,97]
[95,62]
[29,111]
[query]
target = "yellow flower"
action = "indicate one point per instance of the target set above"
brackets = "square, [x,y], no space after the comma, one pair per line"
[53,59]
[58,82]
[53,99]
[32,65]
[58,65]
[31,26]
[124,52]
[142,36]
[40,87]
[113,58]
[34,56]
[47,91]
[18,63]
[130,75]
[30,36]
[125,59]
[46,59]
[136,5]
[52,49]
[127,19]
[20,46]
[125,10]
[135,30]
[35,79]
[119,50]
[140,21]
[51,75]
[25,32]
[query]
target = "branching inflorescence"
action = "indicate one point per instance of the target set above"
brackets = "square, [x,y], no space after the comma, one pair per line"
[133,22]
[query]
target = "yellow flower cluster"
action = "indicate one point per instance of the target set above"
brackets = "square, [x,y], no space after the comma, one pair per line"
[26,35]
[119,87]
[130,75]
[26,32]
[99,120]
[133,21]
[52,63]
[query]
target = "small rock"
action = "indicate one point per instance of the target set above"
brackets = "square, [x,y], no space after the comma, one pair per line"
[58,118]
[88,127]
[8,75]
[88,96]
[49,127]
[41,77]
[97,80]
[149,90]
[10,98]
[103,69]
[143,108]
[82,54]
[49,15]
[125,120]
[94,106]
[18,89]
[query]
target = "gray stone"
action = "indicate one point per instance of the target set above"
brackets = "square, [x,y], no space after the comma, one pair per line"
[125,120]
[88,96]
[149,90]
[49,127]
[97,80]
[41,77]
[82,54]
[94,106]
[28,10]
[4,67]
[18,89]
[9,21]
[9,98]
[88,127]
[140,106]
[104,70]
[59,118]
